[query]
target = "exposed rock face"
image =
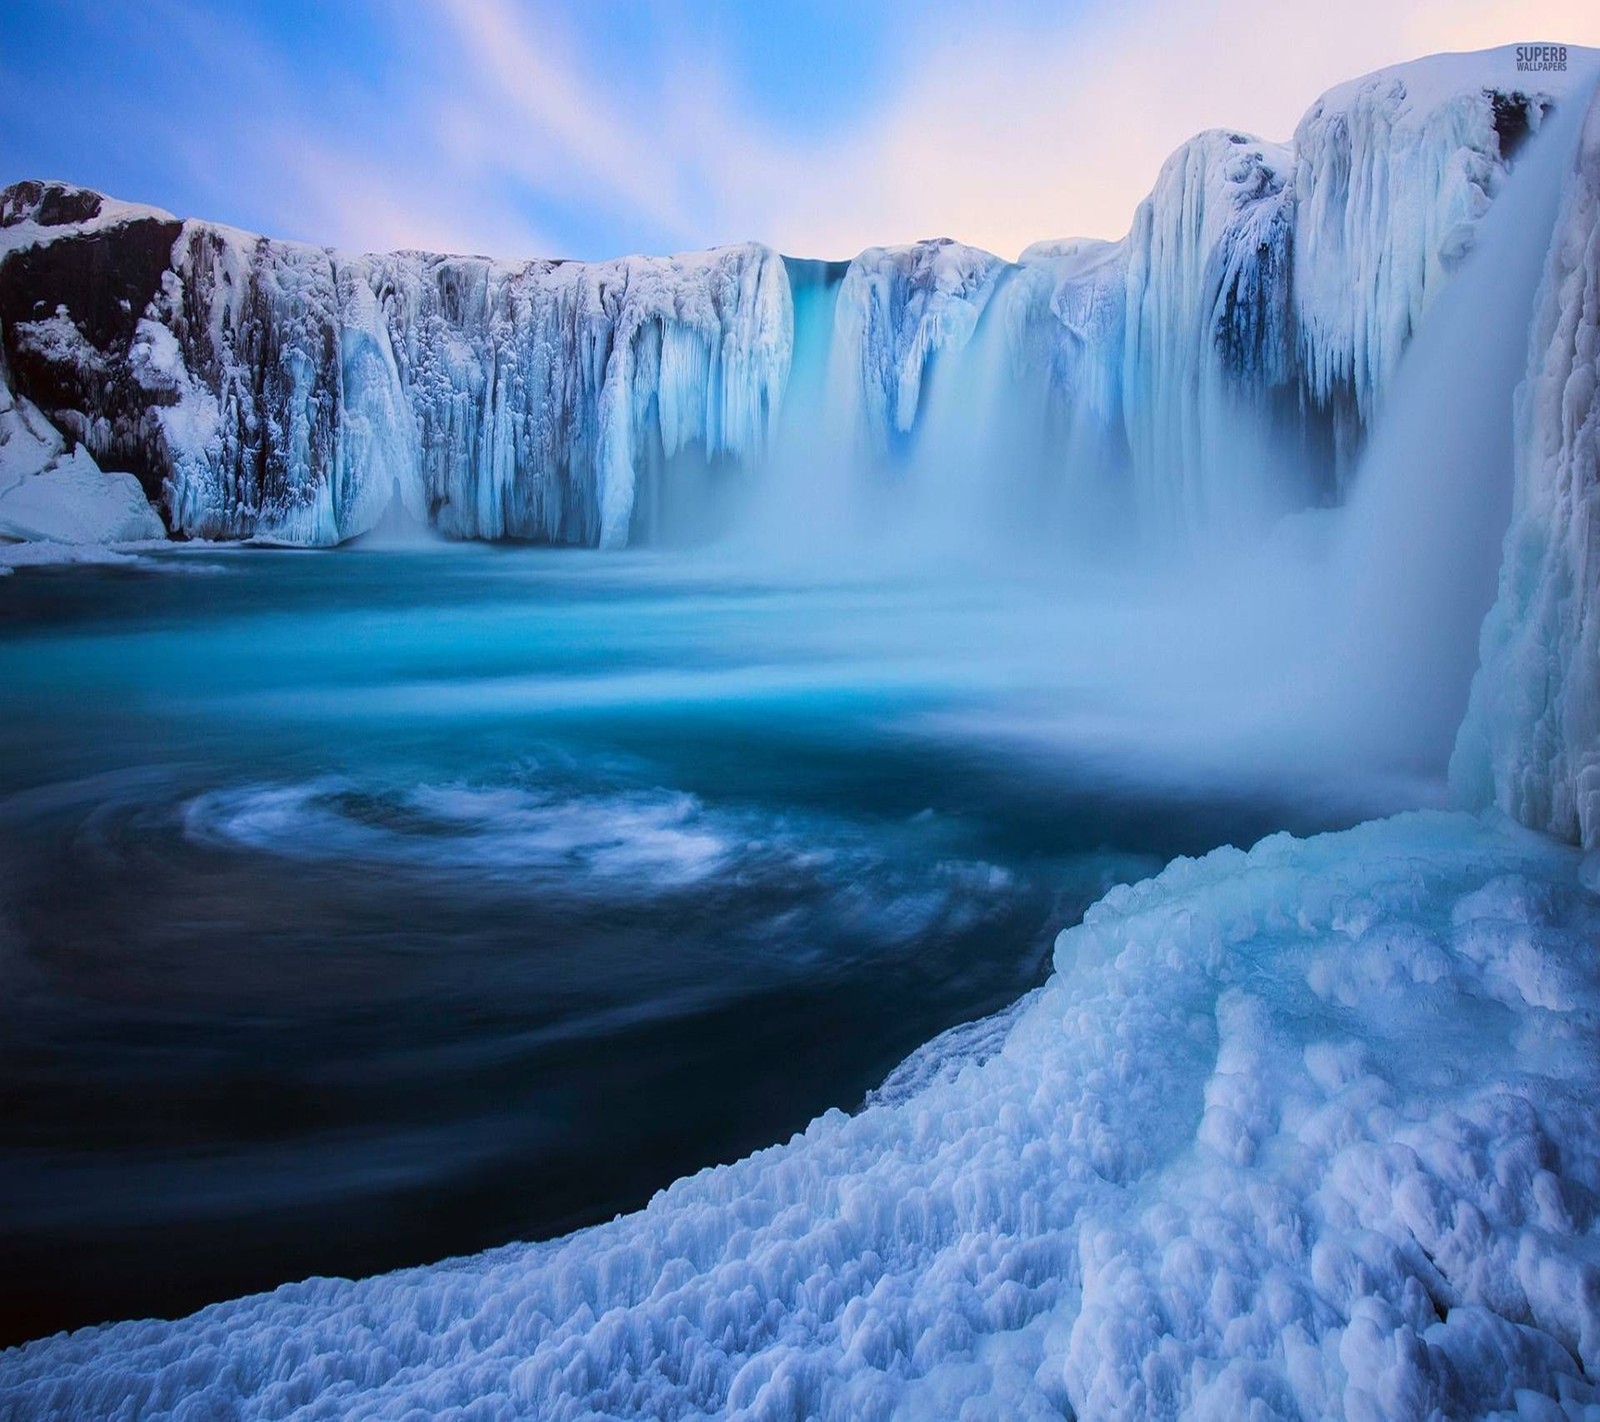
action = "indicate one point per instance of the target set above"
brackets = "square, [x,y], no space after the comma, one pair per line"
[68,310]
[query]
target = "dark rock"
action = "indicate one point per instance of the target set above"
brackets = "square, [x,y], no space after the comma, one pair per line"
[48,204]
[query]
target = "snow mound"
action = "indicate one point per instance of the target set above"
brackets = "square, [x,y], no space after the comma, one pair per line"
[1312,1131]
[72,501]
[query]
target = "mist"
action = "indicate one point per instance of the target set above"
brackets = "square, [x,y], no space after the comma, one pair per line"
[1260,640]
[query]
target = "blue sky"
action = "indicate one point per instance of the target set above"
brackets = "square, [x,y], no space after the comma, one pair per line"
[592,129]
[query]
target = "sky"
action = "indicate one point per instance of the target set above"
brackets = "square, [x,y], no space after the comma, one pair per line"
[592,128]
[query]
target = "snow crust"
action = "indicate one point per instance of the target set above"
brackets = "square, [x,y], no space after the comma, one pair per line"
[1531,740]
[1305,1132]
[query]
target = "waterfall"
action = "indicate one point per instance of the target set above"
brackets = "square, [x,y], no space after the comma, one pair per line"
[1419,557]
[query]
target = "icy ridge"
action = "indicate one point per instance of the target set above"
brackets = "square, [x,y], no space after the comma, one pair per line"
[1305,1132]
[1531,739]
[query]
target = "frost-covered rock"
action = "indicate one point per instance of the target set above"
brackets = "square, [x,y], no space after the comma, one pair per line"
[1312,1131]
[898,308]
[47,493]
[28,441]
[1531,740]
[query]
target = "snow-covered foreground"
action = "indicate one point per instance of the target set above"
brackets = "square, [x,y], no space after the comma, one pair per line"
[1309,1131]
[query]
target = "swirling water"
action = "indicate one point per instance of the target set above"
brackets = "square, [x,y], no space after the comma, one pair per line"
[362,908]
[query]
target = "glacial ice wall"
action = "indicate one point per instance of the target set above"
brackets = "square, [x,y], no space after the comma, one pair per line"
[1531,740]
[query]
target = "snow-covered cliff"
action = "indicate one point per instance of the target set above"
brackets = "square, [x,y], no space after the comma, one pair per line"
[276,390]
[1531,740]
[1217,366]
[1222,363]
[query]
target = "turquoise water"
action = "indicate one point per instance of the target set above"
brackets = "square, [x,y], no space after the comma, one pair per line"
[363,908]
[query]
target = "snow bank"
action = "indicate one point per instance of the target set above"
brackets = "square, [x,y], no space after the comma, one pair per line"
[72,501]
[48,494]
[1531,740]
[1310,1131]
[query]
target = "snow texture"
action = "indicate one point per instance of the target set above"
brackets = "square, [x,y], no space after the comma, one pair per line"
[1531,740]
[1312,1131]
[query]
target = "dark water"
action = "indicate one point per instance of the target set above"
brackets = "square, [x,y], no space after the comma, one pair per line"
[360,909]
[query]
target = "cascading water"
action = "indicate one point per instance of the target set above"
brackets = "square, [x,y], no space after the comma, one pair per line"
[799,500]
[1417,561]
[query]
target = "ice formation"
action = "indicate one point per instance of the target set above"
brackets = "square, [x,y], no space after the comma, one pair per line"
[285,392]
[897,308]
[1218,366]
[1531,741]
[1306,1132]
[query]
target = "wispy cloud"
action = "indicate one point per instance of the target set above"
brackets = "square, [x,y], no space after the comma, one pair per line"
[489,125]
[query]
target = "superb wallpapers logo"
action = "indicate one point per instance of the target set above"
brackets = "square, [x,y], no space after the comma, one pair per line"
[1541,58]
